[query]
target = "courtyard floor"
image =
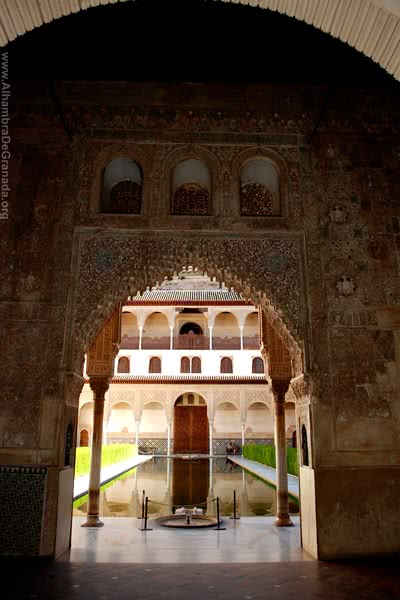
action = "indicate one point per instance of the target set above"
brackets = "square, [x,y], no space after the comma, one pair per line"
[250,539]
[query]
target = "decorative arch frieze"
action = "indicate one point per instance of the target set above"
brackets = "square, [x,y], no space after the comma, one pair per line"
[267,269]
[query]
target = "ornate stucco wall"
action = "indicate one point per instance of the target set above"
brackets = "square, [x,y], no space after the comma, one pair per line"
[326,271]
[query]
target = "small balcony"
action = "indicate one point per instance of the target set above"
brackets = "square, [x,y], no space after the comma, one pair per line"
[191,341]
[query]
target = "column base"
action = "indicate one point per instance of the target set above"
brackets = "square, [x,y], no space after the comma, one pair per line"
[92,521]
[283,521]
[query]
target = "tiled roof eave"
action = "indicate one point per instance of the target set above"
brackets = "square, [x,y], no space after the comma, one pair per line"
[193,379]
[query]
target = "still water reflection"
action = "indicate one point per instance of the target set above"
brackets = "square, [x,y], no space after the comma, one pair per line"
[172,482]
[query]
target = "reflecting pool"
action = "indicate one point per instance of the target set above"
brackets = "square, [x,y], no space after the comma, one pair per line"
[170,483]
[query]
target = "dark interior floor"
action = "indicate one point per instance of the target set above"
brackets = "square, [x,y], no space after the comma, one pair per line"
[371,580]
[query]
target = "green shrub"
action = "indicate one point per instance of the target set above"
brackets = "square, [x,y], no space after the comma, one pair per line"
[110,455]
[266,456]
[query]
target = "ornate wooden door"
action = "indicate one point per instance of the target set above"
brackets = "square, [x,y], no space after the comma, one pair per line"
[190,429]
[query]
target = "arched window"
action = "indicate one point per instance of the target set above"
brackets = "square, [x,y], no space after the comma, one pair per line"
[84,438]
[155,365]
[259,188]
[196,364]
[190,399]
[190,328]
[122,187]
[185,364]
[304,445]
[123,365]
[257,365]
[191,187]
[226,365]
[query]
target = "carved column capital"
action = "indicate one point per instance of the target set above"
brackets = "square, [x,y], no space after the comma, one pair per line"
[99,385]
[280,388]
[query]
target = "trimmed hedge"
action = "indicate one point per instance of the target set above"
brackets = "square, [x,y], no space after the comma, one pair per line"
[266,456]
[110,454]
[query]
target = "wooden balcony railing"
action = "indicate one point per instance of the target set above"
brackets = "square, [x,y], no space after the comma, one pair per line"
[226,343]
[251,343]
[162,343]
[188,341]
[129,342]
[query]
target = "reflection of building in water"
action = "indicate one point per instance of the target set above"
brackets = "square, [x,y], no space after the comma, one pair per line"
[189,375]
[190,482]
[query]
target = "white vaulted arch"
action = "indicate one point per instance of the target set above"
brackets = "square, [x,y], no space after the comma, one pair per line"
[370,26]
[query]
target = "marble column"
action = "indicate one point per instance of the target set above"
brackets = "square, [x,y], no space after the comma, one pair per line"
[210,329]
[169,427]
[279,389]
[140,336]
[211,437]
[171,337]
[243,434]
[137,423]
[99,385]
[241,336]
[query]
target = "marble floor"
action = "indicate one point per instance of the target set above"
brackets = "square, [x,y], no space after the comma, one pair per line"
[248,540]
[304,580]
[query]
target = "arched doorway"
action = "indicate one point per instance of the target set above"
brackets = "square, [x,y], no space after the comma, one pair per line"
[190,425]
[84,438]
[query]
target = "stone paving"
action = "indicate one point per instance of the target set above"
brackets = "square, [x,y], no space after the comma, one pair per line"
[366,580]
[250,539]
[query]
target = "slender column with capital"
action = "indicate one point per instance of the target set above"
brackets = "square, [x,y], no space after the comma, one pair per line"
[210,329]
[211,437]
[171,337]
[279,388]
[99,385]
[241,336]
[169,439]
[140,336]
[137,423]
[243,434]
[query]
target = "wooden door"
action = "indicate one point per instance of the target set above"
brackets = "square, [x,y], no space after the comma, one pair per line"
[190,429]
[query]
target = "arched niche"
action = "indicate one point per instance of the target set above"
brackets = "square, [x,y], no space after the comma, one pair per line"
[122,187]
[154,420]
[156,332]
[129,331]
[251,333]
[121,415]
[84,438]
[259,188]
[227,420]
[155,364]
[226,332]
[191,188]
[259,420]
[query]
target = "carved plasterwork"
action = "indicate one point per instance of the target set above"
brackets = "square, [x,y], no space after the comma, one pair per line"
[346,285]
[266,269]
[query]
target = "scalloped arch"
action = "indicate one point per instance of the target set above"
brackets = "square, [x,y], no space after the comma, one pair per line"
[110,266]
[370,26]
